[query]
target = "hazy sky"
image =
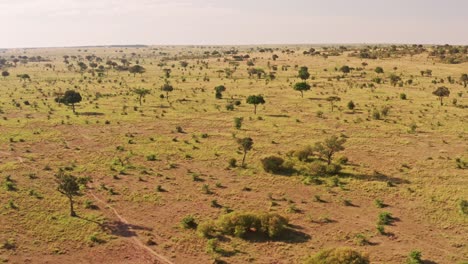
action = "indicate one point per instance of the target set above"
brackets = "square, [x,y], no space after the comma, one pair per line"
[45,23]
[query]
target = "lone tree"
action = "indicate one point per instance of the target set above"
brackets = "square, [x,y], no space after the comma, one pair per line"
[464,79]
[301,87]
[141,92]
[255,100]
[69,186]
[332,100]
[167,88]
[441,92]
[304,73]
[219,91]
[245,144]
[137,69]
[5,74]
[329,147]
[70,98]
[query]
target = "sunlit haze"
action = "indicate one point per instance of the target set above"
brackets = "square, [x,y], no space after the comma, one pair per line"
[50,23]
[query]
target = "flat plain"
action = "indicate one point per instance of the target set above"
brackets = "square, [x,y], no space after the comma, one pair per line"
[159,168]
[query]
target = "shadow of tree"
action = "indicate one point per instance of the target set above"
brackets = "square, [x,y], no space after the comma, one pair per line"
[119,228]
[90,114]
[292,235]
[377,176]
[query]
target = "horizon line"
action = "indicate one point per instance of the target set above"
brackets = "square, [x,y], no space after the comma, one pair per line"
[233,45]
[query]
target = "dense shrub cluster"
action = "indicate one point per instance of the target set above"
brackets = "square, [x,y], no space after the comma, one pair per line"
[240,224]
[338,256]
[273,164]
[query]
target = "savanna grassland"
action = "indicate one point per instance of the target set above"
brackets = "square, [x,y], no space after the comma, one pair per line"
[163,180]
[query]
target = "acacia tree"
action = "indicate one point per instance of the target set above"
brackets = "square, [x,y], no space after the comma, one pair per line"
[167,88]
[5,74]
[301,87]
[332,100]
[464,79]
[255,100]
[69,186]
[141,92]
[441,92]
[329,147]
[70,98]
[304,73]
[137,69]
[245,144]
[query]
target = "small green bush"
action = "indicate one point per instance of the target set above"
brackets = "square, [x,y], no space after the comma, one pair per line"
[206,229]
[188,222]
[414,257]
[151,157]
[332,169]
[232,163]
[318,168]
[338,256]
[304,154]
[463,207]
[385,218]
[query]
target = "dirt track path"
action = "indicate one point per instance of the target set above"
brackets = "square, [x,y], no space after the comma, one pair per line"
[160,258]
[135,239]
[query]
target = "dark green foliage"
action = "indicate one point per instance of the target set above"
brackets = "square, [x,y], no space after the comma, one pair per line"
[167,88]
[245,144]
[385,218]
[403,96]
[379,70]
[351,105]
[232,163]
[238,122]
[463,207]
[255,100]
[189,222]
[414,257]
[240,224]
[394,79]
[141,92]
[304,73]
[441,92]
[5,74]
[345,69]
[301,87]
[137,69]
[304,154]
[464,79]
[272,164]
[70,98]
[329,147]
[69,186]
[219,91]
